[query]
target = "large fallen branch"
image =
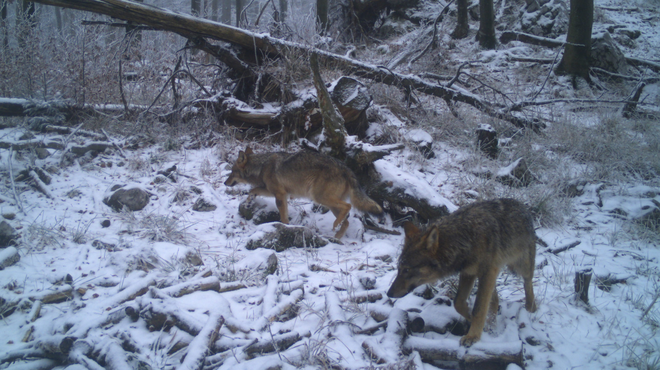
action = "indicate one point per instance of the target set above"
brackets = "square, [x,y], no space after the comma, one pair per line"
[192,28]
[480,356]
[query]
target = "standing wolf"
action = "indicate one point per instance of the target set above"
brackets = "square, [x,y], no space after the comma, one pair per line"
[474,241]
[305,174]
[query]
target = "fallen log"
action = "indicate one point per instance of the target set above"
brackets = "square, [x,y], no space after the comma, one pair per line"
[277,344]
[40,185]
[508,36]
[479,356]
[199,347]
[79,354]
[279,309]
[394,336]
[35,143]
[191,286]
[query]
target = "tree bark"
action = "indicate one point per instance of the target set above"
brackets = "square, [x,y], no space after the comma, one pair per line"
[577,51]
[322,14]
[462,26]
[196,7]
[284,9]
[225,16]
[239,9]
[529,39]
[486,34]
[333,122]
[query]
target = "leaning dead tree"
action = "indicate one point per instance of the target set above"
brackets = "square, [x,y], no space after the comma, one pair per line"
[194,28]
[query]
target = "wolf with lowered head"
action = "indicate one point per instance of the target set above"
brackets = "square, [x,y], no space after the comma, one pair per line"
[475,241]
[305,174]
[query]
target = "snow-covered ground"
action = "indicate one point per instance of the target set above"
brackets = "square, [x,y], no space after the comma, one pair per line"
[329,302]
[148,250]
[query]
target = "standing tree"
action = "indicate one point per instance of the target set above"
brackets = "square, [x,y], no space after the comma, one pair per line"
[3,23]
[196,7]
[215,5]
[322,14]
[578,40]
[462,27]
[27,22]
[225,16]
[239,10]
[284,8]
[486,34]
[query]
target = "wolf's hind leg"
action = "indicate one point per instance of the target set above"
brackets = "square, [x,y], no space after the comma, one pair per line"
[494,303]
[465,284]
[282,206]
[525,268]
[340,209]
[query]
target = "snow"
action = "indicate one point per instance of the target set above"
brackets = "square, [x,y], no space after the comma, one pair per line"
[568,335]
[146,267]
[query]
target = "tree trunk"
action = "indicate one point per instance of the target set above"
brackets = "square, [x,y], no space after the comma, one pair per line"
[134,34]
[28,22]
[486,34]
[284,9]
[214,10]
[3,23]
[196,7]
[462,26]
[225,16]
[333,122]
[58,18]
[578,40]
[322,15]
[239,10]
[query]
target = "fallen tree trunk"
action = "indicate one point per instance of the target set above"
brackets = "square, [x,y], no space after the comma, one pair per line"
[192,27]
[479,356]
[529,39]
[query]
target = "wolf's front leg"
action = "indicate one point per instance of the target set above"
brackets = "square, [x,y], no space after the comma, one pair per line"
[485,289]
[465,284]
[283,207]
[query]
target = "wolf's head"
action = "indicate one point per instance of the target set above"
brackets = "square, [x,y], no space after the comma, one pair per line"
[238,170]
[419,263]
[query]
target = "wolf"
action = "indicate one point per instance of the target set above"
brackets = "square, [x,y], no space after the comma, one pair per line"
[475,241]
[304,174]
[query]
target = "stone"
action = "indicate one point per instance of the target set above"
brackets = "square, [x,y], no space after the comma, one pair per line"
[606,54]
[193,258]
[546,18]
[422,141]
[287,236]
[516,174]
[259,211]
[134,199]
[9,256]
[8,235]
[203,205]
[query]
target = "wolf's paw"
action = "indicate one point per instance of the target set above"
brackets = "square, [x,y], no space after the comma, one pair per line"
[469,339]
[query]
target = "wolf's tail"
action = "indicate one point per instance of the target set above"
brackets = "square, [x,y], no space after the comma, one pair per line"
[361,200]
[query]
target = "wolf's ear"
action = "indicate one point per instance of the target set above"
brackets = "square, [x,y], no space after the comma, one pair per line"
[411,230]
[248,151]
[242,159]
[432,239]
